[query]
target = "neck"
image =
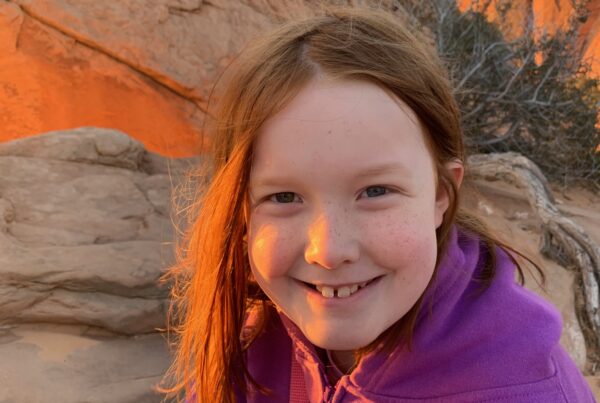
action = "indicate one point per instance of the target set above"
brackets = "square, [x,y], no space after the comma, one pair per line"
[344,360]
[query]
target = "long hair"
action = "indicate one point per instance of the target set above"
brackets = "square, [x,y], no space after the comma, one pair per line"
[212,289]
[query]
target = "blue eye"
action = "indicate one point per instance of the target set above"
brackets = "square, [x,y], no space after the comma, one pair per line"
[375,191]
[284,197]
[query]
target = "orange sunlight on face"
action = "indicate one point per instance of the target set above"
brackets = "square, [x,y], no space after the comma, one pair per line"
[343,212]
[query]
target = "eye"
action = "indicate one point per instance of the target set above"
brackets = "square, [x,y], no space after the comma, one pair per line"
[284,197]
[375,191]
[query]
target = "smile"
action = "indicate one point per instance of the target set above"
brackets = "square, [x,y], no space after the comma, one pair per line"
[344,291]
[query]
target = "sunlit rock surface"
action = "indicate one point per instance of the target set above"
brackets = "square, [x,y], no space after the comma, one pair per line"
[82,225]
[546,17]
[140,66]
[146,67]
[74,364]
[85,233]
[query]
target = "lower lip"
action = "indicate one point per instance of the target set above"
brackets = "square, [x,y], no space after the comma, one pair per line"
[315,297]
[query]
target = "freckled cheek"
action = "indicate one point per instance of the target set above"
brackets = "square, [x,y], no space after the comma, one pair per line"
[403,245]
[270,251]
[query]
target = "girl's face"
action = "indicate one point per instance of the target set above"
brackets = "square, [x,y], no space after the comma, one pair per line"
[342,193]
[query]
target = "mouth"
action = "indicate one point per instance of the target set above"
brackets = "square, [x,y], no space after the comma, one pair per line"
[340,291]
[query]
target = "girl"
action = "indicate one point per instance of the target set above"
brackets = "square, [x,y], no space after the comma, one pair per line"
[328,259]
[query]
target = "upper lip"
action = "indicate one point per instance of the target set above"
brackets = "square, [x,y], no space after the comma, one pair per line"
[348,284]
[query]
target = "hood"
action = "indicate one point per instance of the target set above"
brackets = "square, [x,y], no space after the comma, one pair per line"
[459,341]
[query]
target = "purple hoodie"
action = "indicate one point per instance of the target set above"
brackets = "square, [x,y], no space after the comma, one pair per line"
[500,346]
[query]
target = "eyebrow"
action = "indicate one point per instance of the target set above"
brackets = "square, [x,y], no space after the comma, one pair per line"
[382,169]
[392,167]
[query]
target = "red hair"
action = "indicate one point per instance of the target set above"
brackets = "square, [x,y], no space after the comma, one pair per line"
[211,287]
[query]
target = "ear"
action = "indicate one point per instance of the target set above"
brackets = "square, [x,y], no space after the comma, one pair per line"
[442,199]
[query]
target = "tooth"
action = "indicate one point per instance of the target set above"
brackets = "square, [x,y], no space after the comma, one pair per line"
[343,292]
[353,288]
[319,288]
[363,284]
[327,292]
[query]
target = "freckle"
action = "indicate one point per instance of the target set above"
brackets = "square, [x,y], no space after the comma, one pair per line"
[329,131]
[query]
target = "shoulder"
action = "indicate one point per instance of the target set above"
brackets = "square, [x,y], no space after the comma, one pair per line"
[499,345]
[573,384]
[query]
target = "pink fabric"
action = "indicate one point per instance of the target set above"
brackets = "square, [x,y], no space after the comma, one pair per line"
[297,385]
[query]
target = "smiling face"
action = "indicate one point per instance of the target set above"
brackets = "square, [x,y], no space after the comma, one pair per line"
[342,193]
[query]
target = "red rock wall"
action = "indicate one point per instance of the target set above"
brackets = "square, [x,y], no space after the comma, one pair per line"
[547,16]
[146,67]
[50,80]
[141,67]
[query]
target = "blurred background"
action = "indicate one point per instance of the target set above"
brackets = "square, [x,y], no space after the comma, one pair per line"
[102,107]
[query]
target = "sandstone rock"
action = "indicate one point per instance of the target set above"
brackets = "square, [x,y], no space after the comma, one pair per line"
[51,80]
[119,314]
[85,232]
[547,17]
[85,145]
[67,364]
[181,43]
[11,18]
[594,382]
[147,67]
[143,66]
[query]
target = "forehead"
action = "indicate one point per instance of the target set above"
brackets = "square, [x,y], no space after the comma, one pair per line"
[343,124]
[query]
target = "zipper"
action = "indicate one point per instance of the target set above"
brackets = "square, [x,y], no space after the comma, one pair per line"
[328,394]
[330,391]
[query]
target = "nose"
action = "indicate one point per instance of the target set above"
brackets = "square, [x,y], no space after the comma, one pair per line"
[331,243]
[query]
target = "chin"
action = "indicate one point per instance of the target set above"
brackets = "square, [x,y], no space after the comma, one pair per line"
[331,341]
